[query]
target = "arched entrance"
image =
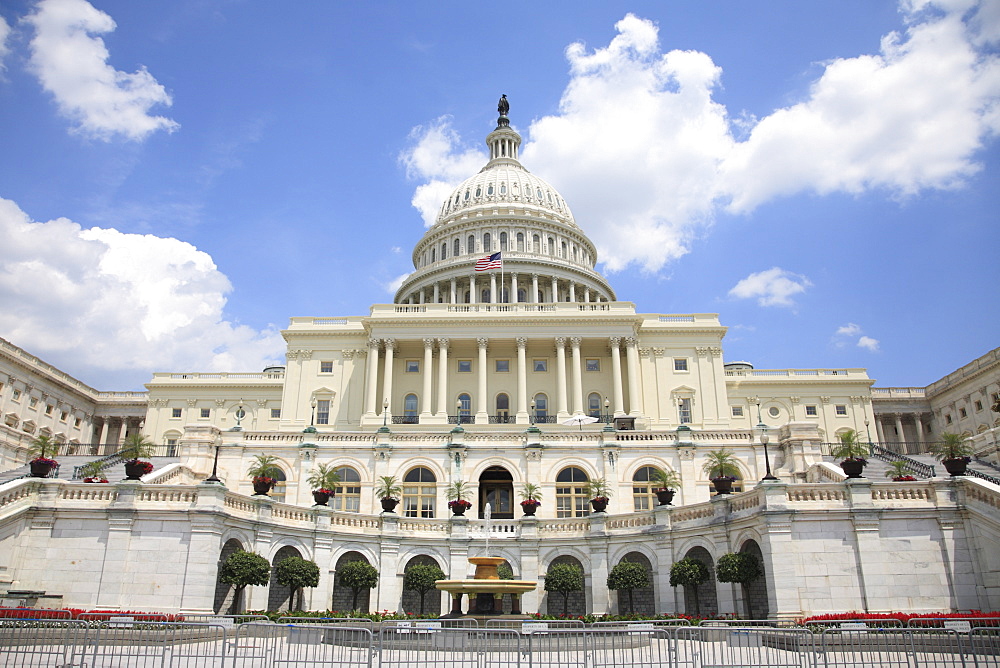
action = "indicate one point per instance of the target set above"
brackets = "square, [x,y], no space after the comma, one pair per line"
[702,601]
[410,601]
[642,599]
[496,487]
[577,601]
[279,596]
[755,592]
[224,592]
[343,597]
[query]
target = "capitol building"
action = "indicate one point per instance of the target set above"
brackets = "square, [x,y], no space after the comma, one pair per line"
[505,359]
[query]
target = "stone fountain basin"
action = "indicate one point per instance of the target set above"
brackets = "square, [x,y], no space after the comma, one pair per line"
[486,586]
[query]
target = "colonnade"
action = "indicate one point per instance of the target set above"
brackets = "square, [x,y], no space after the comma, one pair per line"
[504,288]
[569,398]
[896,420]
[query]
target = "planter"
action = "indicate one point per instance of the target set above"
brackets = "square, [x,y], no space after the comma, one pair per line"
[853,468]
[723,485]
[389,504]
[955,466]
[41,469]
[459,507]
[529,509]
[599,504]
[135,470]
[262,487]
[664,496]
[321,498]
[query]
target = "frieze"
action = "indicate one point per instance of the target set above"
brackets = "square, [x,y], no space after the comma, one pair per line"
[825,400]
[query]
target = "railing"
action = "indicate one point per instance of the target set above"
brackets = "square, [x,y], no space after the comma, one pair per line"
[405,419]
[543,419]
[886,455]
[503,419]
[982,476]
[461,419]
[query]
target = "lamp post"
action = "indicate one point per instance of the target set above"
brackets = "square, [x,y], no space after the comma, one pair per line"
[607,408]
[215,467]
[532,411]
[868,432]
[458,411]
[385,410]
[312,414]
[764,439]
[240,414]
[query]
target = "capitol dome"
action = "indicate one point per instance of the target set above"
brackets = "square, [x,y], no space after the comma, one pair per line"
[508,210]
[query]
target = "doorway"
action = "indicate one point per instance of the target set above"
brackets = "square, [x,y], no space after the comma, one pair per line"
[496,487]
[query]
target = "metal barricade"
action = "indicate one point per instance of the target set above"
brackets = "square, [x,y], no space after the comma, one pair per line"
[222,620]
[634,644]
[697,646]
[128,617]
[35,613]
[903,647]
[301,645]
[847,624]
[143,644]
[658,623]
[558,648]
[41,642]
[526,626]
[457,623]
[353,622]
[433,647]
[769,623]
[984,648]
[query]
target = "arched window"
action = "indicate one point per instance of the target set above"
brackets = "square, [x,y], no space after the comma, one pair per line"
[552,246]
[503,241]
[470,244]
[520,241]
[278,491]
[456,247]
[536,244]
[410,409]
[594,405]
[487,243]
[433,254]
[464,409]
[503,408]
[541,408]
[642,491]
[571,493]
[444,251]
[484,296]
[419,492]
[574,254]
[563,251]
[468,297]
[522,296]
[348,494]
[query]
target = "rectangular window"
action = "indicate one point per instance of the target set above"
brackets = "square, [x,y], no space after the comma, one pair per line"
[979,406]
[323,411]
[541,365]
[63,416]
[680,364]
[206,412]
[811,411]
[961,413]
[465,366]
[48,409]
[275,413]
[593,365]
[503,366]
[412,366]
[175,412]
[326,367]
[16,395]
[684,411]
[76,422]
[947,418]
[841,409]
[737,411]
[33,402]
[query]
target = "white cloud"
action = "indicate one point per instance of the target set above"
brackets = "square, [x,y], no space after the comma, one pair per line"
[71,62]
[850,329]
[773,287]
[393,285]
[120,302]
[868,343]
[640,148]
[4,48]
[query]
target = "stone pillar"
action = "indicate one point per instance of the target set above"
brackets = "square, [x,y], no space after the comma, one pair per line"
[900,437]
[482,414]
[443,378]
[522,381]
[437,293]
[878,430]
[534,289]
[371,396]
[617,390]
[562,410]
[473,297]
[390,346]
[572,291]
[493,288]
[425,401]
[586,295]
[103,437]
[202,558]
[454,290]
[513,288]
[555,289]
[918,423]
[634,393]
[423,296]
[577,376]
[390,580]
[597,550]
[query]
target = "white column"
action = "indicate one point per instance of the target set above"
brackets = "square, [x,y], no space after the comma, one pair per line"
[390,346]
[443,378]
[473,296]
[878,430]
[616,376]
[555,289]
[919,424]
[454,291]
[482,416]
[370,396]
[577,376]
[899,428]
[513,288]
[534,289]
[437,294]
[572,291]
[632,359]
[425,401]
[423,296]
[103,437]
[586,295]
[493,288]
[522,380]
[562,411]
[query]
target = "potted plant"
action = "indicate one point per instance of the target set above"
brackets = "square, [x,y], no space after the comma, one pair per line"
[40,463]
[324,482]
[456,491]
[722,469]
[388,491]
[899,471]
[135,447]
[532,498]
[599,491]
[664,484]
[852,453]
[263,472]
[93,472]
[954,451]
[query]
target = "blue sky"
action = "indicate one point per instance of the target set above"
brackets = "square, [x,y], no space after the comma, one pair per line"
[177,179]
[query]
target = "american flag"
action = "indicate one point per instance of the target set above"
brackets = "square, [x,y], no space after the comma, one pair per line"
[492,262]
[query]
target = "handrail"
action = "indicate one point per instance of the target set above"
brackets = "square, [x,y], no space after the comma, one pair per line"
[982,476]
[887,455]
[106,461]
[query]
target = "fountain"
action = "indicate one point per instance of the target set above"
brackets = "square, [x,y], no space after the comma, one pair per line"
[486,584]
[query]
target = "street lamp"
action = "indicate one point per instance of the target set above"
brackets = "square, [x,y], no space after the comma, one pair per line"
[312,414]
[240,414]
[532,411]
[607,408]
[764,439]
[385,410]
[215,467]
[868,432]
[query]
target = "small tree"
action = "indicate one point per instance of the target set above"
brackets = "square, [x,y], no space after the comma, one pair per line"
[244,569]
[564,579]
[628,576]
[136,446]
[357,576]
[296,573]
[324,477]
[42,446]
[421,578]
[742,568]
[689,572]
[952,446]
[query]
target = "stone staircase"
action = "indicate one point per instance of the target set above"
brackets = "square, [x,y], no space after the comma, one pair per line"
[68,463]
[877,468]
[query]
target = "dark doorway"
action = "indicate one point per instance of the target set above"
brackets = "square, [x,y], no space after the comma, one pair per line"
[496,487]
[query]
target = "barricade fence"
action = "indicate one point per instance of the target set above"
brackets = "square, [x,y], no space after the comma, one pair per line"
[342,643]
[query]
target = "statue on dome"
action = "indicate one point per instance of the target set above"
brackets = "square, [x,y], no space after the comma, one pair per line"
[503,106]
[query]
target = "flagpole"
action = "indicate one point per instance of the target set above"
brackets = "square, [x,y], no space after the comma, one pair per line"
[501,277]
